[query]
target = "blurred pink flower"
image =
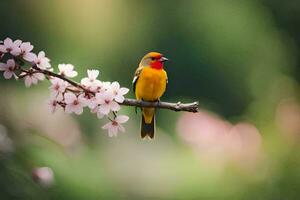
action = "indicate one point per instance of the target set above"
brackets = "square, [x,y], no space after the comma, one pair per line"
[43,176]
[217,139]
[288,119]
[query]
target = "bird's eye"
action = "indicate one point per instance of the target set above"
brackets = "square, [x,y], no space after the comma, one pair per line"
[152,58]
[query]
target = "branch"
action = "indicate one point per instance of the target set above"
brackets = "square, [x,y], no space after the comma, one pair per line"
[49,73]
[188,107]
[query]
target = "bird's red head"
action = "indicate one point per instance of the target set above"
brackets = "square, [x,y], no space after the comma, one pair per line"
[154,60]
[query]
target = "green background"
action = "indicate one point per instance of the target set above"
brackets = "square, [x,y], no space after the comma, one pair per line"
[238,58]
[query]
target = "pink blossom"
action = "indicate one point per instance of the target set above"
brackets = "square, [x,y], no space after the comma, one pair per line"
[52,104]
[106,86]
[41,61]
[26,53]
[32,79]
[67,70]
[58,86]
[118,92]
[8,68]
[116,125]
[107,103]
[74,104]
[96,110]
[91,102]
[91,81]
[11,47]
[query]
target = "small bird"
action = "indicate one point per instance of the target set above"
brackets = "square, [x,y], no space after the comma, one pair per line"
[149,84]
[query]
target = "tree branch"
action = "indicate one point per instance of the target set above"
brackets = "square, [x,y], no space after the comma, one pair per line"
[188,107]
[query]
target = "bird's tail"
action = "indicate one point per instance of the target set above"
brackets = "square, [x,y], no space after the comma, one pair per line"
[148,123]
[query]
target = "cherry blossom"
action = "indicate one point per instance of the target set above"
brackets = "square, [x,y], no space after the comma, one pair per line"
[8,68]
[11,47]
[106,86]
[67,70]
[96,110]
[118,92]
[91,81]
[73,103]
[33,78]
[107,103]
[52,103]
[42,61]
[99,114]
[91,102]
[101,97]
[58,86]
[116,125]
[26,49]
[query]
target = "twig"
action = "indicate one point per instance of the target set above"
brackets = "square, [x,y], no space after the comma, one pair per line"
[188,107]
[49,73]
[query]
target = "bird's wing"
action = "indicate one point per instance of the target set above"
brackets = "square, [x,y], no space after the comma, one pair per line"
[167,80]
[136,76]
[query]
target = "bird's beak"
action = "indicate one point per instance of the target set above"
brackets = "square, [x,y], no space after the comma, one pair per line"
[163,59]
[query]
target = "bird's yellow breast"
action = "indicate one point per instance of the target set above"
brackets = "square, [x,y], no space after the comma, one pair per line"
[151,84]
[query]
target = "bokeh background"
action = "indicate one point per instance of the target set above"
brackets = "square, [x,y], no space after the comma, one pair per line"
[239,59]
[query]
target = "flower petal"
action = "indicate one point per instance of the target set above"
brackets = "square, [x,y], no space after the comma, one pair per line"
[28,81]
[3,67]
[8,74]
[30,57]
[113,131]
[114,106]
[69,108]
[104,109]
[107,125]
[115,86]
[11,63]
[8,42]
[26,47]
[93,74]
[18,43]
[71,74]
[39,76]
[123,90]
[119,98]
[16,51]
[70,97]
[121,128]
[100,115]
[85,81]
[78,109]
[121,119]
[41,54]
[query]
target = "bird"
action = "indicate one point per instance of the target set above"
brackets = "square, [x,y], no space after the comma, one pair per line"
[149,84]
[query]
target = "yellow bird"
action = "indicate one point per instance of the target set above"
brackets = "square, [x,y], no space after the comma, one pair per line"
[149,84]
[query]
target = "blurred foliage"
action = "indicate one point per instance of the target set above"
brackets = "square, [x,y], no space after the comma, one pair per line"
[239,59]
